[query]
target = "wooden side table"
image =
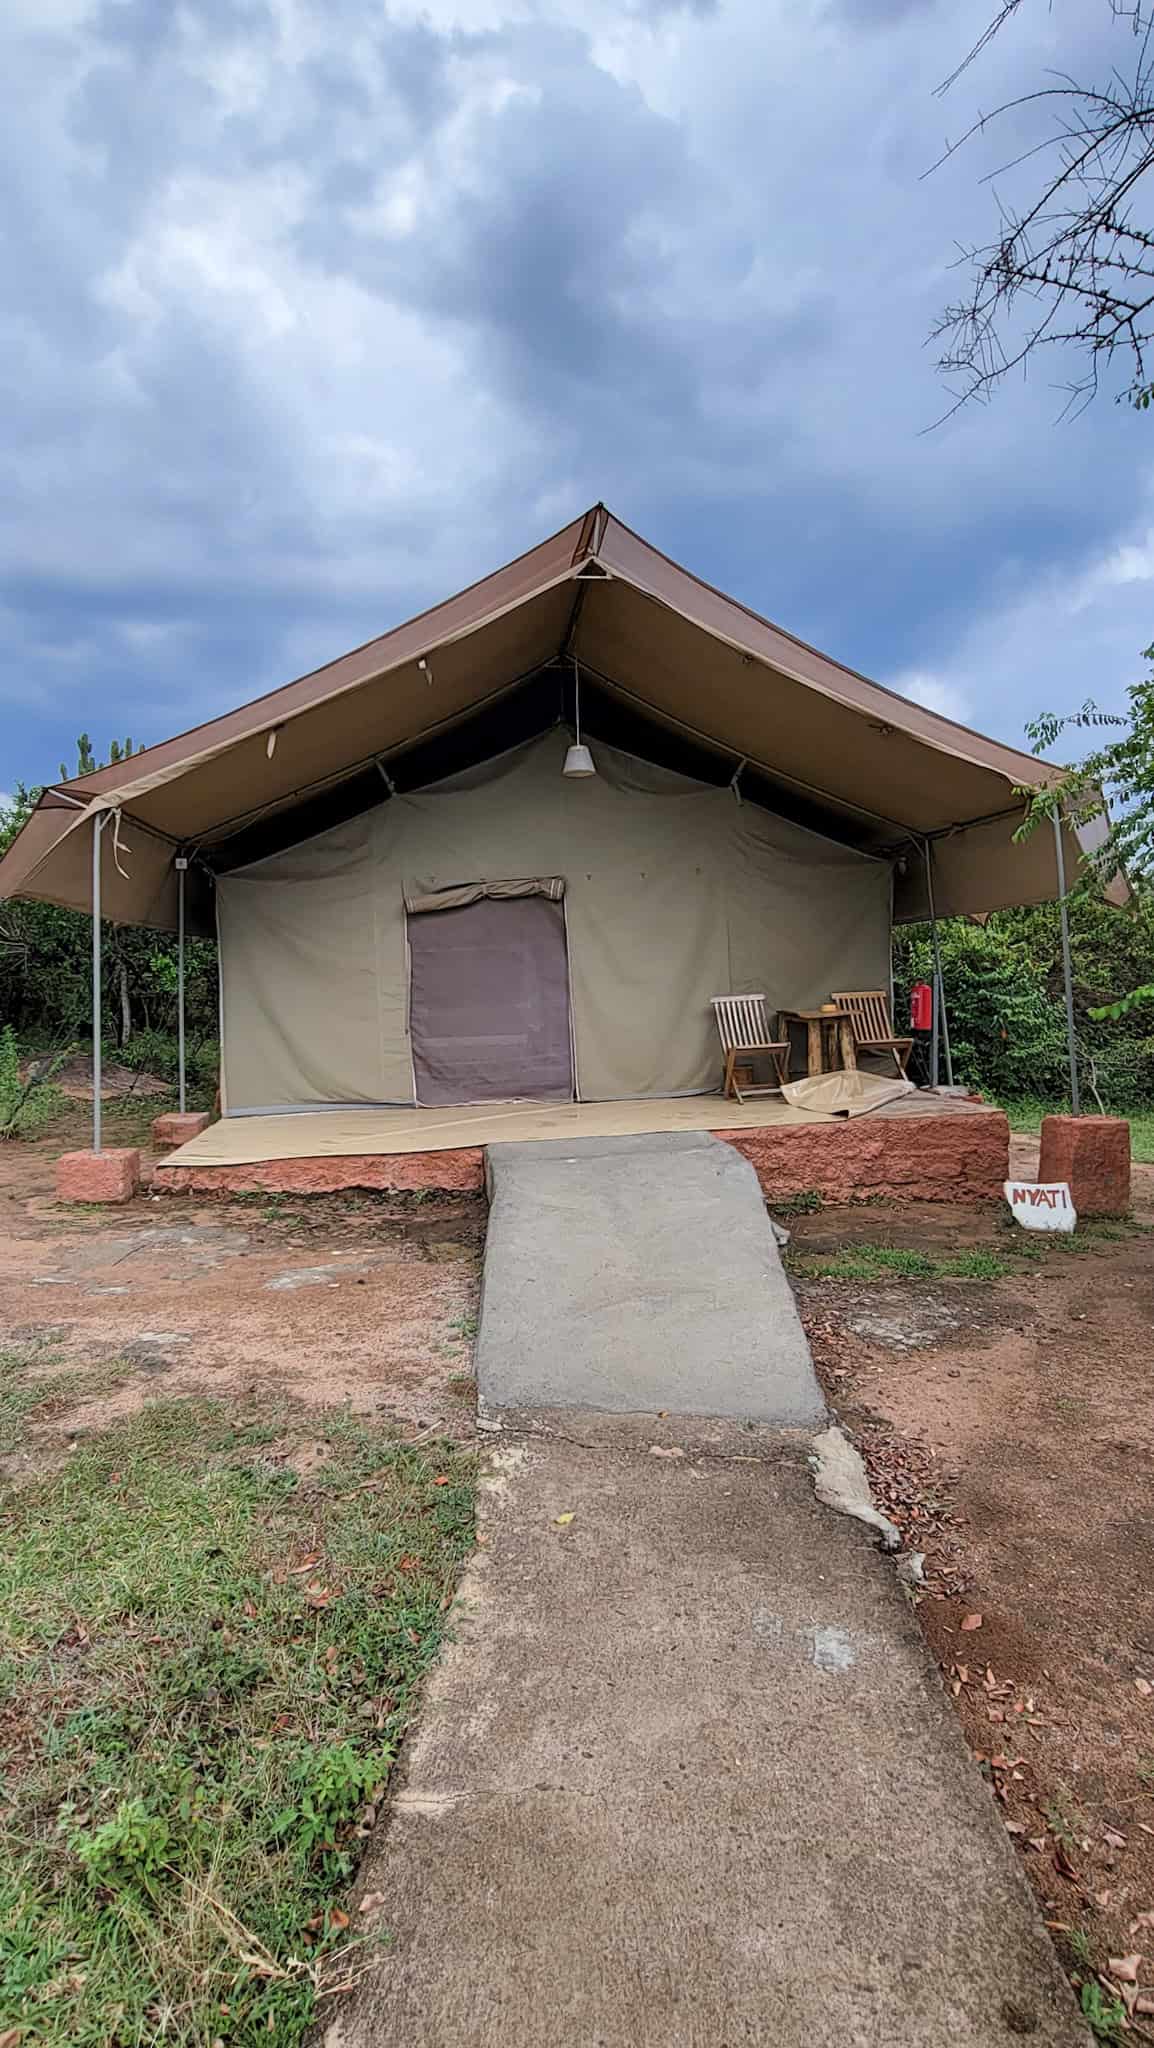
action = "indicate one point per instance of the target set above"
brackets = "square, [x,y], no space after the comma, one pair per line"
[840,1037]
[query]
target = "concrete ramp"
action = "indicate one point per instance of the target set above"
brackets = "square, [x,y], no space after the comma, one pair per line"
[637,1274]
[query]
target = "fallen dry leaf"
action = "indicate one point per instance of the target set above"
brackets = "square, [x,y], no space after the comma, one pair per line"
[1144,1686]
[306,1564]
[442,1479]
[563,1521]
[1124,1968]
[318,1595]
[11,2037]
[656,1451]
[337,1919]
[1144,2002]
[372,1902]
[971,1621]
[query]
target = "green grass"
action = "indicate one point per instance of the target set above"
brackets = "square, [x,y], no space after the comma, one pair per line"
[888,1262]
[1027,1114]
[23,1397]
[196,1729]
[806,1202]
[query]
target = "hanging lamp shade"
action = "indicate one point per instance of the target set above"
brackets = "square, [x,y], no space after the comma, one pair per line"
[578,760]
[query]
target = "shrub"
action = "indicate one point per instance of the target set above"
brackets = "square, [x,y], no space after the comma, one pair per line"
[28,1102]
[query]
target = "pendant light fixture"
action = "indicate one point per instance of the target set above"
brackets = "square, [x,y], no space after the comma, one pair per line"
[578,759]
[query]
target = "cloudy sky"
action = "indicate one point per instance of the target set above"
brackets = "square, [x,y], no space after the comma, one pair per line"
[313,310]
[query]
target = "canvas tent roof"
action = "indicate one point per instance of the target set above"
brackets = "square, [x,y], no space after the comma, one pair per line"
[878,771]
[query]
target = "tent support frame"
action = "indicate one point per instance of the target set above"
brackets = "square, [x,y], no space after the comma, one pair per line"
[181,866]
[1067,970]
[99,821]
[939,988]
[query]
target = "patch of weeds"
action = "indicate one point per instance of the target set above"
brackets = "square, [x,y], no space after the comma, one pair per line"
[1146,1770]
[128,1851]
[210,1661]
[21,1397]
[1078,1943]
[464,1328]
[975,1265]
[1061,1825]
[806,1203]
[330,1787]
[889,1262]
[1105,2016]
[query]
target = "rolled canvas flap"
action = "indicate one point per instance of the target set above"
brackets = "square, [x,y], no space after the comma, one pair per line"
[845,1092]
[459,898]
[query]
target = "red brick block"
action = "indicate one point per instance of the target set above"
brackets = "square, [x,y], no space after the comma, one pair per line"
[448,1172]
[177,1128]
[1091,1153]
[931,1158]
[112,1176]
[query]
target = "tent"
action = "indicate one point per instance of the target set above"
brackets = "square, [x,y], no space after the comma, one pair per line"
[388,844]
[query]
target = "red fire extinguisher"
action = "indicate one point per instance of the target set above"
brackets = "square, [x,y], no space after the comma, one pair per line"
[921,1007]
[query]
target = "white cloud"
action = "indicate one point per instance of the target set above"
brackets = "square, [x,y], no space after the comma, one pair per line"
[325,309]
[1060,635]
[935,694]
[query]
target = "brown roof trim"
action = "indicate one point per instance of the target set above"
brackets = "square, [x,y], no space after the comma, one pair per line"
[820,671]
[288,699]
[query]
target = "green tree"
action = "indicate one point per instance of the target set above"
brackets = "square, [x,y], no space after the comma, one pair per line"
[45,972]
[86,761]
[1003,985]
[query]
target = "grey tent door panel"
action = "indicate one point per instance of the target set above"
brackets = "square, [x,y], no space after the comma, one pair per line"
[489,1003]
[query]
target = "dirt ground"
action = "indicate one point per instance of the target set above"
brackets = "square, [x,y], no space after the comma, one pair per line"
[1009,1429]
[1008,1425]
[365,1300]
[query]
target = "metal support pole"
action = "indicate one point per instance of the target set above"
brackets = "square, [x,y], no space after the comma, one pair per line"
[97,964]
[939,987]
[1067,972]
[181,871]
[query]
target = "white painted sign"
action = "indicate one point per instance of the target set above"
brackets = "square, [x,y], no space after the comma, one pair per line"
[1039,1207]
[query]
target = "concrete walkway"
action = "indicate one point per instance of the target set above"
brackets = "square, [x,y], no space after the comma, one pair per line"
[635,1274]
[687,1779]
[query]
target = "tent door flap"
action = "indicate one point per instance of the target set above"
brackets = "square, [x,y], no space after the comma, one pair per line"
[489,1003]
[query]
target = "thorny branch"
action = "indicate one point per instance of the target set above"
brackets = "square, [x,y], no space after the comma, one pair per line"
[1075,266]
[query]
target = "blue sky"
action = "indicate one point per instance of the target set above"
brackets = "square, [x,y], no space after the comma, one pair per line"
[313,310]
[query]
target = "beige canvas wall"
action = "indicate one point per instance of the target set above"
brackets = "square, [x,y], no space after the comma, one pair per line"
[675,892]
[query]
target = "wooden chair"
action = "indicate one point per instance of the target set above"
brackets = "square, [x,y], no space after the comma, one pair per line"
[743,1027]
[873,1031]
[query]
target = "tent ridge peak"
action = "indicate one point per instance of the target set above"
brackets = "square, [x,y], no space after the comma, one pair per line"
[596,593]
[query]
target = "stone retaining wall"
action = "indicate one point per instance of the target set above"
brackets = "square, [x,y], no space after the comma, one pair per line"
[939,1158]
